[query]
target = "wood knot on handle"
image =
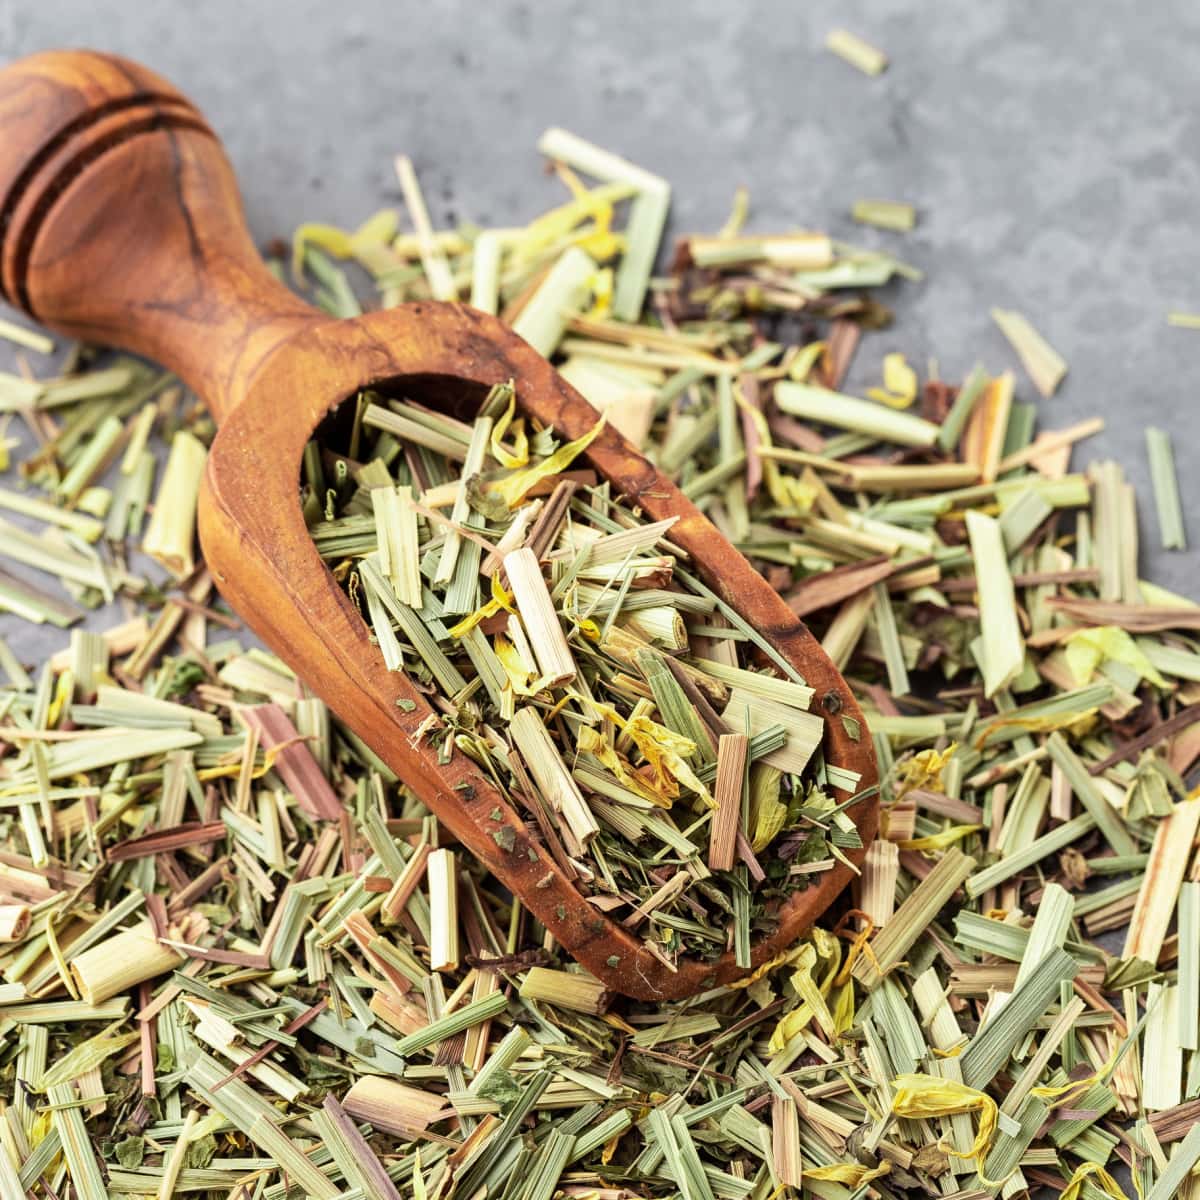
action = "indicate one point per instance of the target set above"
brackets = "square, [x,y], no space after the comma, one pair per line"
[61,112]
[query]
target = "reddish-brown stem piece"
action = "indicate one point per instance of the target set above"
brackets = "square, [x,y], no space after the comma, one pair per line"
[120,223]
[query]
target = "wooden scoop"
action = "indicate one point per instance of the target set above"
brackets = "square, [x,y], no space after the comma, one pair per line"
[121,224]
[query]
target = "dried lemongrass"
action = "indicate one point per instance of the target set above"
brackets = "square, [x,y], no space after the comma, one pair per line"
[1166,490]
[1046,368]
[443,910]
[912,917]
[885,214]
[647,217]
[860,416]
[553,779]
[881,870]
[396,532]
[171,535]
[1160,886]
[574,990]
[856,52]
[1003,649]
[121,962]
[728,793]
[554,657]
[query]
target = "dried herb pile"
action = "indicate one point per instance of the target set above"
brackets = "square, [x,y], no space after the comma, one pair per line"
[639,757]
[239,960]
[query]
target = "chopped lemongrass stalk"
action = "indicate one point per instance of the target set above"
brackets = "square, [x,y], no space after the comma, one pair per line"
[1161,882]
[1092,798]
[396,534]
[121,962]
[539,617]
[1048,443]
[402,426]
[86,527]
[1189,966]
[1046,368]
[81,1163]
[92,460]
[139,435]
[1166,490]
[29,338]
[647,217]
[731,781]
[852,49]
[1013,864]
[788,252]
[848,412]
[443,910]
[1050,929]
[1162,1053]
[960,412]
[1182,1163]
[550,773]
[748,713]
[562,294]
[885,214]
[472,465]
[1003,646]
[913,916]
[785,1142]
[881,870]
[441,282]
[884,620]
[986,1053]
[171,534]
[455,1023]
[574,990]
[485,271]
[984,433]
[757,683]
[14,921]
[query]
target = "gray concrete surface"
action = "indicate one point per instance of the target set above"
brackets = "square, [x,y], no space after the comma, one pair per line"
[1052,150]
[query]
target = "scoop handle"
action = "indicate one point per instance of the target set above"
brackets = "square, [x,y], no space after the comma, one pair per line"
[121,223]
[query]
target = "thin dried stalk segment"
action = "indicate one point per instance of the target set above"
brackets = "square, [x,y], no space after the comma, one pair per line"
[1045,366]
[1003,646]
[1174,844]
[1166,489]
[122,962]
[538,614]
[294,762]
[881,871]
[983,437]
[399,549]
[574,990]
[731,779]
[858,53]
[442,875]
[552,777]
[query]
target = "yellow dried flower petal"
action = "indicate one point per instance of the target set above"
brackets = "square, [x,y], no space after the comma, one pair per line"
[806,360]
[500,601]
[1103,1180]
[512,488]
[939,841]
[519,456]
[929,1096]
[923,770]
[853,1174]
